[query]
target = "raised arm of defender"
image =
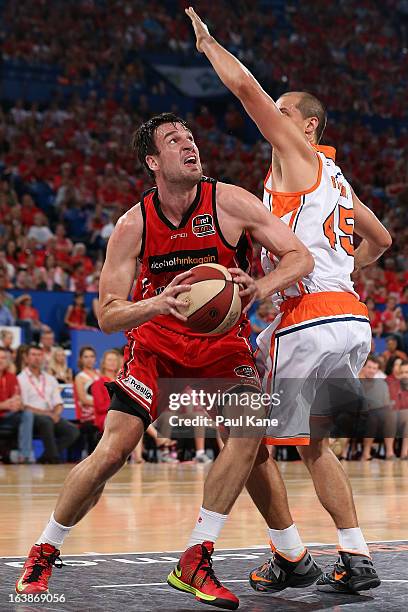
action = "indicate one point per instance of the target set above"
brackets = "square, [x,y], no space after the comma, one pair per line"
[275,126]
[116,312]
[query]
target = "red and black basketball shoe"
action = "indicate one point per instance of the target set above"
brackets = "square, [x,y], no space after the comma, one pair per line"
[38,568]
[194,574]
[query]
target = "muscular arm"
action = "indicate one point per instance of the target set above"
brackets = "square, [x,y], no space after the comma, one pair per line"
[116,312]
[294,151]
[241,210]
[376,239]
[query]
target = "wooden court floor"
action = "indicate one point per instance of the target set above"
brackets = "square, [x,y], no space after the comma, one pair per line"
[153,507]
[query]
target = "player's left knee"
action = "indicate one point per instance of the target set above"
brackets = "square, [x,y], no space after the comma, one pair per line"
[316,448]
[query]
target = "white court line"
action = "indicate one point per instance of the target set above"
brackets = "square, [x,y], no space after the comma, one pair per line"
[146,584]
[165,552]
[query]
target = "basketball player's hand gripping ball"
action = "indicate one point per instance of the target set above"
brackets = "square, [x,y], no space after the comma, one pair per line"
[249,291]
[200,29]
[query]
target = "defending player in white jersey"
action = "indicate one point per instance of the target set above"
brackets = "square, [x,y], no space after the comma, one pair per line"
[322,331]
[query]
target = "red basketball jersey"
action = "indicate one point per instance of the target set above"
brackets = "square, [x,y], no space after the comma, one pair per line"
[168,250]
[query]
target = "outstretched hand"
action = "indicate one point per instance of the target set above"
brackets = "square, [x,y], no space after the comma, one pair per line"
[200,29]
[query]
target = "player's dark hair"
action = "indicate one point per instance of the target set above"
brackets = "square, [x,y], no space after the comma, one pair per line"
[404,362]
[143,140]
[310,106]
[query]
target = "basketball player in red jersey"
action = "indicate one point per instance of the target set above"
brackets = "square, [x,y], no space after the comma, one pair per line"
[161,232]
[322,331]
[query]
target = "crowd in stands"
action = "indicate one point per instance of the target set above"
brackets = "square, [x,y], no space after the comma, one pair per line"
[67,172]
[32,406]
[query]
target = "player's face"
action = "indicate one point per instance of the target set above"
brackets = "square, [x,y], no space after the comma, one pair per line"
[178,160]
[288,106]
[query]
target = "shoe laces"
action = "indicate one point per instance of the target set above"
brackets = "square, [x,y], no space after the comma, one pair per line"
[267,567]
[339,568]
[44,562]
[206,565]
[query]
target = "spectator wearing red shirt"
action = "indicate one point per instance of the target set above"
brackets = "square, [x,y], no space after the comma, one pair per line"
[110,366]
[63,245]
[75,316]
[392,318]
[84,402]
[392,370]
[12,414]
[390,274]
[79,256]
[392,349]
[28,211]
[375,318]
[26,312]
[401,404]
[78,280]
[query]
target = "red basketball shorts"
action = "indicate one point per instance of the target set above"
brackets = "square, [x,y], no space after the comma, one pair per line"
[156,353]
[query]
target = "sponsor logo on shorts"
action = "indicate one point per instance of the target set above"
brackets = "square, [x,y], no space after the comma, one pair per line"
[245,370]
[181,260]
[203,225]
[138,387]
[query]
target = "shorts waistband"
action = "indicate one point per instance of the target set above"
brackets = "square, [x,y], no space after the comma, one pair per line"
[320,305]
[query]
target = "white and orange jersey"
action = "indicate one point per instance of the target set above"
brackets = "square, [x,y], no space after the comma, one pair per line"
[323,219]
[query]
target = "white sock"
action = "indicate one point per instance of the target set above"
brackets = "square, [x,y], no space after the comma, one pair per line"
[200,452]
[353,540]
[287,541]
[54,533]
[208,527]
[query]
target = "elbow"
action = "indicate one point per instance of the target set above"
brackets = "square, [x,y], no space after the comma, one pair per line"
[103,322]
[308,262]
[386,241]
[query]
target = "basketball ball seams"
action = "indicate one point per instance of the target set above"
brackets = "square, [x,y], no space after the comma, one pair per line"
[209,323]
[213,305]
[233,314]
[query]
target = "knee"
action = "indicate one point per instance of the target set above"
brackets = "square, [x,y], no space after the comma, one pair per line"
[262,456]
[44,424]
[108,462]
[316,449]
[244,448]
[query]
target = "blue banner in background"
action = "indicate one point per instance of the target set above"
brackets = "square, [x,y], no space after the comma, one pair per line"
[52,305]
[99,341]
